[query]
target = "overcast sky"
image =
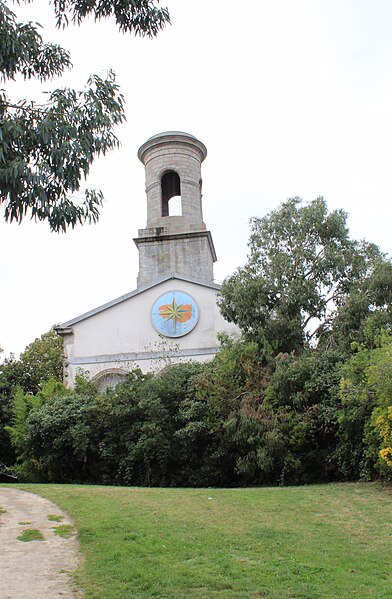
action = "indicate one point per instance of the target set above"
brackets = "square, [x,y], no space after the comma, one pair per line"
[291,98]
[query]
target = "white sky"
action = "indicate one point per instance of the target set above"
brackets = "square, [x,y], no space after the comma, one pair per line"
[291,97]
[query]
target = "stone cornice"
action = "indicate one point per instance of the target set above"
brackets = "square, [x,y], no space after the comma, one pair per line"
[170,137]
[176,236]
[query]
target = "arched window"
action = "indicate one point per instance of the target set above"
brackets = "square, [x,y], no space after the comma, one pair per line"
[171,194]
[110,378]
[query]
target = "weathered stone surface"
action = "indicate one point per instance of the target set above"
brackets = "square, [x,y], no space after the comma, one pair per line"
[176,254]
[168,250]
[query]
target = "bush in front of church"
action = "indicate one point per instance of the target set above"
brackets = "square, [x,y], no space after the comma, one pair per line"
[235,421]
[147,431]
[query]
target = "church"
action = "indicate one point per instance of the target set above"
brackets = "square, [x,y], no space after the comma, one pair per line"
[172,315]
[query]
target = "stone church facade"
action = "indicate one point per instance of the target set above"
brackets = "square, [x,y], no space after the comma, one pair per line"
[173,315]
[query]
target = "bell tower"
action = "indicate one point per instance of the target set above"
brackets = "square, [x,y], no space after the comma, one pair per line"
[175,240]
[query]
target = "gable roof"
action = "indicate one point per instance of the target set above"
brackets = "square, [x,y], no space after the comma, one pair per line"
[61,328]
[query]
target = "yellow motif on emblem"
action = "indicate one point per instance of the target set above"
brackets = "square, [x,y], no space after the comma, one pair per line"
[175,312]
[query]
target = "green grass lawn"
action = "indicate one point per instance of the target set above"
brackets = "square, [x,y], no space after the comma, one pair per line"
[310,542]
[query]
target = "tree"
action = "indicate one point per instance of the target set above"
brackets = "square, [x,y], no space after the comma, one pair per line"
[8,383]
[365,412]
[47,149]
[315,302]
[305,281]
[42,360]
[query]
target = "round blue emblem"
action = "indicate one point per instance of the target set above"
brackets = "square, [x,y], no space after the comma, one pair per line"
[175,314]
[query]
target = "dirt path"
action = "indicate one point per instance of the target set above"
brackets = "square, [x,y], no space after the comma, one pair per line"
[34,569]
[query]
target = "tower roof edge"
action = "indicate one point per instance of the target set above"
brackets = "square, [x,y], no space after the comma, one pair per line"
[172,137]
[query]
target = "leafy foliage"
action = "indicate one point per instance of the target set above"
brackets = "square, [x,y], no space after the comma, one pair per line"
[304,395]
[304,272]
[124,436]
[366,412]
[46,149]
[227,422]
[46,152]
[141,17]
[24,52]
[8,384]
[179,429]
[41,361]
[23,404]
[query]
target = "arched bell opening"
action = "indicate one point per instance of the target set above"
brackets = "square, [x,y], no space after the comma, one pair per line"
[171,194]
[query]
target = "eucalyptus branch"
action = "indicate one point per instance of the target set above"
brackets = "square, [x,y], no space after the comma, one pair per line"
[41,108]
